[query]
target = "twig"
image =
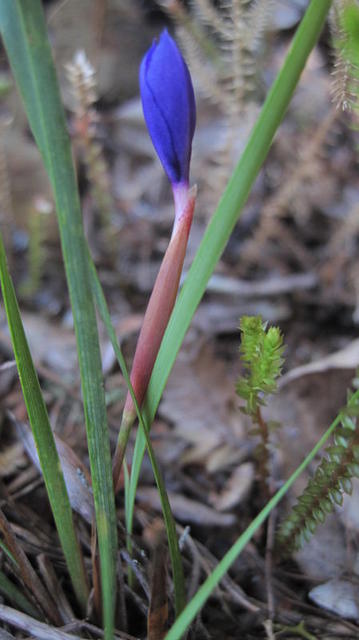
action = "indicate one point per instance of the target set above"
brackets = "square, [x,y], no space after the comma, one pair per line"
[33,627]
[236,593]
[268,627]
[195,566]
[43,631]
[137,571]
[28,574]
[91,628]
[54,586]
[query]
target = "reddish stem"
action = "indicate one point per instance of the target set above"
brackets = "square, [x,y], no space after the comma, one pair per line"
[155,321]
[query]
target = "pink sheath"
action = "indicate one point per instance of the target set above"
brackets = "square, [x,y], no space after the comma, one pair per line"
[160,306]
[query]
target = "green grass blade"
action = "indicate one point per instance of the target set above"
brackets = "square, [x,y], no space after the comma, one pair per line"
[204,592]
[44,439]
[226,216]
[175,555]
[15,596]
[24,33]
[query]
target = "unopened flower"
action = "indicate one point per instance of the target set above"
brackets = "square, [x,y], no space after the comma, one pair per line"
[169,106]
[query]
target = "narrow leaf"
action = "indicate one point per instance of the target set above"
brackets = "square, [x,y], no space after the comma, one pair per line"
[44,439]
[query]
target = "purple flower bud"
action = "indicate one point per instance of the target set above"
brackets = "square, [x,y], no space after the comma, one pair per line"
[169,106]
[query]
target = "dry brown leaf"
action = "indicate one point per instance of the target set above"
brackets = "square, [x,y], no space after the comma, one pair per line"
[50,343]
[198,401]
[227,456]
[324,556]
[221,317]
[339,597]
[347,358]
[274,285]
[237,488]
[76,476]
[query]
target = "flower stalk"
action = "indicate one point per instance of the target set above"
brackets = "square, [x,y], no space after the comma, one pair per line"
[155,321]
[170,114]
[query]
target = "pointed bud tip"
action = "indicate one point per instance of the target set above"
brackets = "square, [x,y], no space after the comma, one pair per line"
[169,106]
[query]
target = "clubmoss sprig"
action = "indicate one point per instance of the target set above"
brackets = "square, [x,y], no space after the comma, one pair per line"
[344,22]
[331,480]
[261,352]
[82,78]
